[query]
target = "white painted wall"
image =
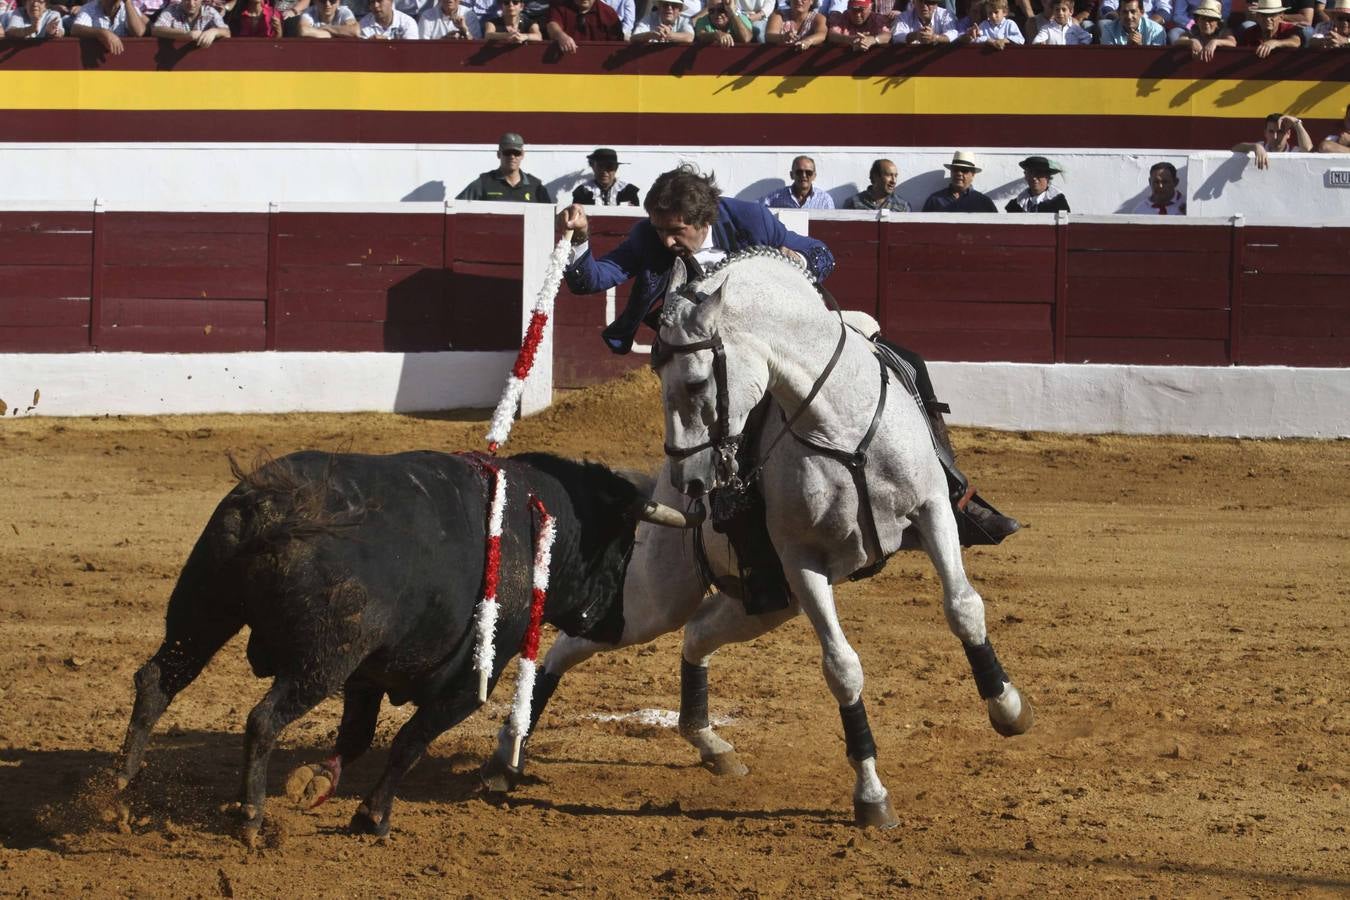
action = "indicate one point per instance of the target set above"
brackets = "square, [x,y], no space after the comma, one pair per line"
[1100,182]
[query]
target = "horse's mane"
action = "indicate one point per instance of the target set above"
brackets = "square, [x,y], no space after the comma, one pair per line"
[690,289]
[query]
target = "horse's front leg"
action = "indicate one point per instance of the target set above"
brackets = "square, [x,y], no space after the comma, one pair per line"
[720,620]
[1009,712]
[844,675]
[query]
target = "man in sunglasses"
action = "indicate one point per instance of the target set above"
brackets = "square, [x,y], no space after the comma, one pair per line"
[604,188]
[507,181]
[801,193]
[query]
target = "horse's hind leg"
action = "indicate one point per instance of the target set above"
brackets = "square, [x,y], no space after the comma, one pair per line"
[1009,712]
[720,620]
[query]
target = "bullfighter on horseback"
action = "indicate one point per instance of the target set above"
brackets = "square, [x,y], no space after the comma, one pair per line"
[689,218]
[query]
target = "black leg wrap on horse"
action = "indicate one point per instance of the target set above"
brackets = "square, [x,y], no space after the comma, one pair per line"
[693,696]
[545,683]
[857,733]
[988,671]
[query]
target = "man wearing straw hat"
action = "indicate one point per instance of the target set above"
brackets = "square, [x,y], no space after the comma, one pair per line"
[959,195]
[1271,32]
[1207,33]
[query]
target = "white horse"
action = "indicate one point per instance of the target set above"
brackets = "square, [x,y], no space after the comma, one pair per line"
[854,467]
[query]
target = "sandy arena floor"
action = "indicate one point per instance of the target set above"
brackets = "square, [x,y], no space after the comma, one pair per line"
[1176,608]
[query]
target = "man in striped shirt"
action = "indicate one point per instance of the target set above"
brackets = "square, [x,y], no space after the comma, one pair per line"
[801,193]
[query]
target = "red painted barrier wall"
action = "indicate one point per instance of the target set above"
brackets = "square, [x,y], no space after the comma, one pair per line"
[1196,294]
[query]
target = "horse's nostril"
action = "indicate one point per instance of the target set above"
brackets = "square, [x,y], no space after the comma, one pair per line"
[694,488]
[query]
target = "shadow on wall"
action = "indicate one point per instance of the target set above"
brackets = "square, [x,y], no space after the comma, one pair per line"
[431,192]
[758,190]
[1229,172]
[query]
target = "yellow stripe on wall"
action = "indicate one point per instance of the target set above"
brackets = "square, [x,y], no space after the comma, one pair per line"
[707,94]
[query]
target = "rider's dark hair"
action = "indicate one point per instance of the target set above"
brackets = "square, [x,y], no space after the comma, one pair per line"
[687,193]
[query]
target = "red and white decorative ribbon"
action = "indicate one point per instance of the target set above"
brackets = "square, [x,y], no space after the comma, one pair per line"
[529,646]
[485,617]
[505,413]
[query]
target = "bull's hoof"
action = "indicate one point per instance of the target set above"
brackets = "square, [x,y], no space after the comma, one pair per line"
[309,786]
[1020,724]
[499,777]
[727,763]
[874,814]
[364,822]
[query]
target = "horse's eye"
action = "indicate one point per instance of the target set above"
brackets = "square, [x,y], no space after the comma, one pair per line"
[697,387]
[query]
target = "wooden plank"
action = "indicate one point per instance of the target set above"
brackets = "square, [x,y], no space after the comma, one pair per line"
[43,338]
[321,225]
[1286,350]
[1155,323]
[391,337]
[1295,321]
[988,287]
[1061,310]
[1144,264]
[339,279]
[1011,262]
[364,250]
[979,346]
[932,315]
[1327,291]
[1311,242]
[273,263]
[1293,259]
[489,238]
[45,248]
[1236,300]
[1147,294]
[160,223]
[952,236]
[203,281]
[124,312]
[1084,236]
[1146,351]
[45,282]
[52,312]
[183,339]
[46,222]
[188,248]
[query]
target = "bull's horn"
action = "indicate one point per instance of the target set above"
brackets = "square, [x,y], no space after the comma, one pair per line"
[660,514]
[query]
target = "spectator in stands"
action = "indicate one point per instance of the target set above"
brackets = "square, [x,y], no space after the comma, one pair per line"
[448,20]
[1163,198]
[1157,11]
[384,23]
[997,30]
[1334,33]
[880,192]
[508,181]
[627,11]
[34,21]
[802,25]
[801,193]
[1271,32]
[1131,27]
[329,19]
[254,18]
[757,12]
[1208,33]
[722,26]
[512,25]
[925,22]
[1062,29]
[1039,195]
[1284,134]
[290,12]
[108,21]
[859,27]
[960,195]
[1305,14]
[665,24]
[570,21]
[1338,143]
[190,20]
[604,188]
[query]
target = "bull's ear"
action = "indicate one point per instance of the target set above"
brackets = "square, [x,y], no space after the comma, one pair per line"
[645,483]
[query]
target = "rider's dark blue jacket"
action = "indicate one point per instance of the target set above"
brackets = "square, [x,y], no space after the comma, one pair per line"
[643,257]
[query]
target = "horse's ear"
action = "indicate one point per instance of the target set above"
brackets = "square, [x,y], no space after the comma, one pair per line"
[709,311]
[679,275]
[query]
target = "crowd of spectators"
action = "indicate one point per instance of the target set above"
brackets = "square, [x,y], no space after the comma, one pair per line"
[1202,25]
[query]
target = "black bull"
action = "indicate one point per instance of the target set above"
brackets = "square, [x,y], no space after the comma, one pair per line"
[361,574]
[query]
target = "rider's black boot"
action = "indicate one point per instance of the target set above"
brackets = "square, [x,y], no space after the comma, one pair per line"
[981,522]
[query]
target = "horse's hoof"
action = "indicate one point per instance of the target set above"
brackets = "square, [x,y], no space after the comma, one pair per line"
[1020,725]
[874,814]
[363,822]
[499,777]
[727,763]
[309,786]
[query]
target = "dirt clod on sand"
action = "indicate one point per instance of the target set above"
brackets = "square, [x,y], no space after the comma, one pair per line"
[1175,609]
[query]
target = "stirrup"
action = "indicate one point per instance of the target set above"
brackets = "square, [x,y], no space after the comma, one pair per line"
[979,523]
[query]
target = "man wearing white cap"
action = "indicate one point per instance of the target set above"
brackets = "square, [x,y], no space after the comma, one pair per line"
[1207,33]
[959,195]
[1334,33]
[1271,32]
